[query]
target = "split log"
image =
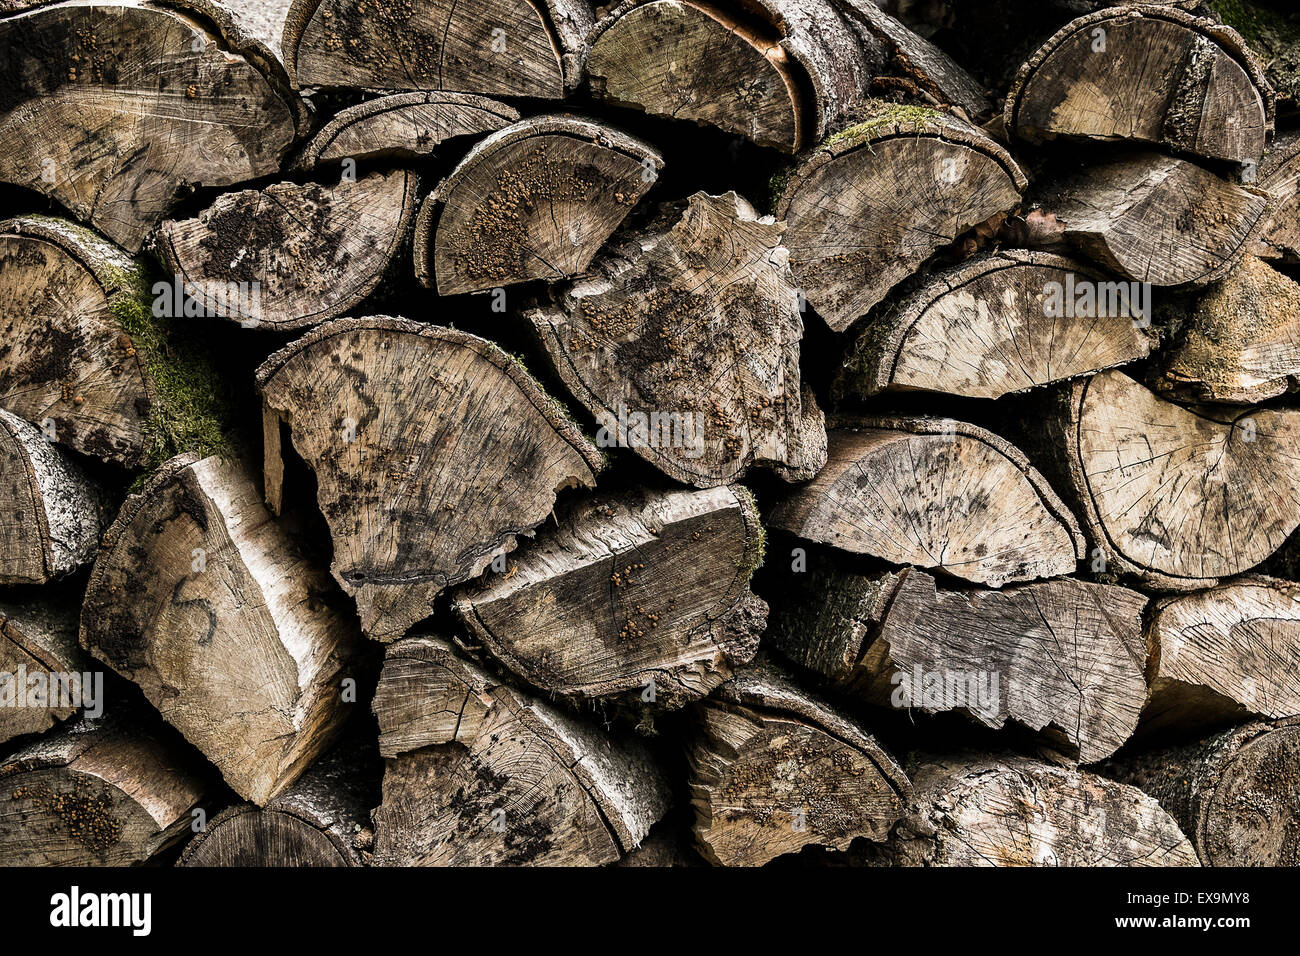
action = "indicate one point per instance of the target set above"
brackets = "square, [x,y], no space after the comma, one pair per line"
[774,769]
[322,820]
[1001,323]
[1241,344]
[291,256]
[1063,657]
[1149,74]
[500,778]
[39,653]
[1179,497]
[1234,793]
[1221,655]
[206,604]
[1279,175]
[432,450]
[113,109]
[663,848]
[644,594]
[70,366]
[782,73]
[109,792]
[869,205]
[1157,219]
[403,127]
[683,341]
[534,200]
[935,493]
[493,47]
[991,810]
[55,511]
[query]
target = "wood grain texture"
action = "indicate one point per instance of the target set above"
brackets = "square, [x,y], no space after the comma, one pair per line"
[1153,75]
[1066,658]
[1157,219]
[204,602]
[996,325]
[500,779]
[774,769]
[935,493]
[38,638]
[995,810]
[298,255]
[628,595]
[691,322]
[1279,175]
[110,792]
[1179,497]
[867,206]
[433,450]
[110,108]
[534,200]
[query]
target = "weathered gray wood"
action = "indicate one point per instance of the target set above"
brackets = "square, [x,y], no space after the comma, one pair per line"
[1180,497]
[493,47]
[683,341]
[403,126]
[1003,322]
[534,200]
[54,512]
[432,449]
[1153,75]
[39,651]
[643,595]
[1221,655]
[1158,219]
[110,792]
[935,493]
[1279,175]
[774,769]
[868,205]
[111,109]
[205,603]
[1241,343]
[292,256]
[1063,657]
[1234,793]
[995,810]
[499,778]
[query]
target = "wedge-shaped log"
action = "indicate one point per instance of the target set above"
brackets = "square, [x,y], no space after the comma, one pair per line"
[67,300]
[781,73]
[1003,810]
[683,341]
[534,200]
[291,256]
[432,450]
[45,677]
[1064,657]
[500,779]
[869,205]
[205,603]
[1150,74]
[774,769]
[493,47]
[54,512]
[644,594]
[1241,344]
[1235,792]
[113,109]
[1220,655]
[1180,497]
[1003,322]
[403,126]
[323,820]
[935,493]
[1157,219]
[1279,175]
[115,791]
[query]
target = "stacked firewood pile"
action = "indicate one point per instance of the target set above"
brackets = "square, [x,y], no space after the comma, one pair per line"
[494,432]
